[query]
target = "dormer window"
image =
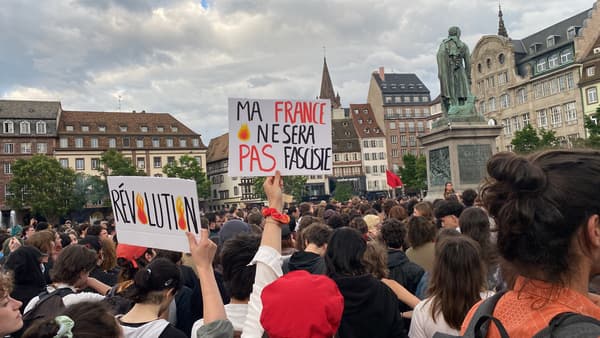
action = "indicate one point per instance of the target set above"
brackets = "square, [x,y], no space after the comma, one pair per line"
[365,111]
[534,48]
[85,128]
[123,128]
[25,127]
[571,32]
[40,127]
[393,86]
[366,130]
[102,129]
[160,129]
[359,121]
[174,129]
[69,127]
[144,129]
[8,127]
[551,40]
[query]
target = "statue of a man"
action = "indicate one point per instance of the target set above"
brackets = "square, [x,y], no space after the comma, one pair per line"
[454,70]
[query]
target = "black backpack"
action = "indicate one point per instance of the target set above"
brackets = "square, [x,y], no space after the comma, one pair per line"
[566,324]
[49,305]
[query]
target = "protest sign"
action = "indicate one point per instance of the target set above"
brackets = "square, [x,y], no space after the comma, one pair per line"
[293,137]
[154,212]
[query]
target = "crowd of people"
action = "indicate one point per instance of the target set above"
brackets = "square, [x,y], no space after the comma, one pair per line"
[385,268]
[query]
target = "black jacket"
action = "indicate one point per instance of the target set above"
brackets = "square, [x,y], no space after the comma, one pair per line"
[29,280]
[302,260]
[370,308]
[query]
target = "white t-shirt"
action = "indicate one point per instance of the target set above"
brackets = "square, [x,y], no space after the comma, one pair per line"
[423,326]
[69,299]
[236,314]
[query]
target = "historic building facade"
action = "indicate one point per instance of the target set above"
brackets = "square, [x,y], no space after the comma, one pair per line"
[531,81]
[401,105]
[28,128]
[587,51]
[347,156]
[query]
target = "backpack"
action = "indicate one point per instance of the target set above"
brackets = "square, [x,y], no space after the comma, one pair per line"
[565,324]
[49,305]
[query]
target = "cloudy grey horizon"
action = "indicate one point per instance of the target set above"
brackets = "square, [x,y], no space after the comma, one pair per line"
[187,57]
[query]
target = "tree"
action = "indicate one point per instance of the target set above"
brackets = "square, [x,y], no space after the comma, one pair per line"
[292,185]
[343,191]
[593,130]
[188,168]
[414,172]
[529,139]
[113,163]
[43,185]
[90,190]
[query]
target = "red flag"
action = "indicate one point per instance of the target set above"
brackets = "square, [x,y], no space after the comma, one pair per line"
[393,180]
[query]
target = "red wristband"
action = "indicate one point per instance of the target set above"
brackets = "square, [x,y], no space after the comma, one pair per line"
[276,215]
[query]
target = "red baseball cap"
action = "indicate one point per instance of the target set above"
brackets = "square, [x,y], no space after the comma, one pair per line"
[301,304]
[130,252]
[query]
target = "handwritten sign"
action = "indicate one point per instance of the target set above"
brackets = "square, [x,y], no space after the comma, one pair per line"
[293,137]
[154,212]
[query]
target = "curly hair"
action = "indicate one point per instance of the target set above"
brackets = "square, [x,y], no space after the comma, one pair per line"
[539,202]
[393,233]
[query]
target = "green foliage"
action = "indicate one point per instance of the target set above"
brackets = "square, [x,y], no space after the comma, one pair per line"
[113,163]
[414,172]
[188,167]
[529,139]
[90,190]
[593,130]
[343,191]
[43,185]
[292,185]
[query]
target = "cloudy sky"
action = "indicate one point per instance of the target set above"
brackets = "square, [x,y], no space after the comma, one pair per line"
[187,57]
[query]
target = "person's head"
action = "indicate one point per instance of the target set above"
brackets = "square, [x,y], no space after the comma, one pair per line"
[317,234]
[109,254]
[468,197]
[475,223]
[43,240]
[256,218]
[155,284]
[345,253]
[40,226]
[10,317]
[448,213]
[336,221]
[90,320]
[359,224]
[375,260]
[232,228]
[398,213]
[305,208]
[388,204]
[73,265]
[546,206]
[97,230]
[424,209]
[448,187]
[457,279]
[236,254]
[393,233]
[421,231]
[129,259]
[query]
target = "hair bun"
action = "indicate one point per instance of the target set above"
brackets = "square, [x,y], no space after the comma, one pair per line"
[517,171]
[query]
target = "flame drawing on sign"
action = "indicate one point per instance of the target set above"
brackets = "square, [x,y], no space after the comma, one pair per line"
[180,213]
[244,132]
[141,214]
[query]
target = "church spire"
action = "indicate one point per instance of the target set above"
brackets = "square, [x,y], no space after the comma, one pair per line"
[501,27]
[327,87]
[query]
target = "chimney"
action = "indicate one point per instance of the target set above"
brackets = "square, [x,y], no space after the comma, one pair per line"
[382,73]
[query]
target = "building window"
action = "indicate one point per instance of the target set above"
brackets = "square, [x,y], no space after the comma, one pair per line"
[556,117]
[25,127]
[367,156]
[123,128]
[525,118]
[126,142]
[374,169]
[393,139]
[8,127]
[504,101]
[590,71]
[79,164]
[402,126]
[112,142]
[482,107]
[571,32]
[169,142]
[388,99]
[69,127]
[502,78]
[85,128]
[492,104]
[182,142]
[102,129]
[541,65]
[550,41]
[412,140]
[516,121]
[7,168]
[365,144]
[395,153]
[174,129]
[392,125]
[42,148]
[64,162]
[157,160]
[542,118]
[570,111]
[25,148]
[141,163]
[507,127]
[411,127]
[566,56]
[592,95]
[170,159]
[40,127]
[9,148]
[94,142]
[382,155]
[155,142]
[195,142]
[160,129]
[95,163]
[420,127]
[144,129]
[521,95]
[403,140]
[139,142]
[78,142]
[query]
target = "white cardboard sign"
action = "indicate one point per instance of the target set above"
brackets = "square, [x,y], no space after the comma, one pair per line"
[291,136]
[154,212]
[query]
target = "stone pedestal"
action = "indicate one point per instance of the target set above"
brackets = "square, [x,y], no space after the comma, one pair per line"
[458,152]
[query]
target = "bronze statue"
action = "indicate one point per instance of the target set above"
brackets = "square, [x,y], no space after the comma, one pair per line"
[454,72]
